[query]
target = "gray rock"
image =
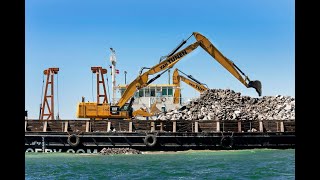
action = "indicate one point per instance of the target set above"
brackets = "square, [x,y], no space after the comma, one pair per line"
[225,104]
[111,151]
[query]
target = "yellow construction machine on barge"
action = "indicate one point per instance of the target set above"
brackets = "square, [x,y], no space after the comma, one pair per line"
[123,109]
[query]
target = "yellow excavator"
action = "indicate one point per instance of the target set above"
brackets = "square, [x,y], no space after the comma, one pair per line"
[123,108]
[191,81]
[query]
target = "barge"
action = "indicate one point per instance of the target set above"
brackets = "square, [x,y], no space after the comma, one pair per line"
[91,136]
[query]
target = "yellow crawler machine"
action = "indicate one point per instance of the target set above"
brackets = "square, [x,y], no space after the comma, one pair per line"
[176,78]
[97,111]
[123,110]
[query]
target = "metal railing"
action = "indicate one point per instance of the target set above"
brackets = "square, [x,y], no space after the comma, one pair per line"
[180,126]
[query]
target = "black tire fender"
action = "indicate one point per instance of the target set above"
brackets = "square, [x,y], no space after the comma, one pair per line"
[70,141]
[150,140]
[226,142]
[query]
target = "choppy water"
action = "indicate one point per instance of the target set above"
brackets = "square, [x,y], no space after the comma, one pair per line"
[240,164]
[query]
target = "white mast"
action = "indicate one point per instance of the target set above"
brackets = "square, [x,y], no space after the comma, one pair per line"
[113,72]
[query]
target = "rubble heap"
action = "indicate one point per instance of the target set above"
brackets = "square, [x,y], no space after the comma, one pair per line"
[109,151]
[225,104]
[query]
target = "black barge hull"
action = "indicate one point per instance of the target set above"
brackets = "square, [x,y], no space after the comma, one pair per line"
[74,136]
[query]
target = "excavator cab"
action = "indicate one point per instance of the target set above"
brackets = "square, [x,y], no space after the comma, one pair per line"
[128,107]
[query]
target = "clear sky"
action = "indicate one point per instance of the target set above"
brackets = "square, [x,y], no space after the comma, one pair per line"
[258,36]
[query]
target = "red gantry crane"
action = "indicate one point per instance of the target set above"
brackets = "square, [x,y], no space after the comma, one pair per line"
[48,95]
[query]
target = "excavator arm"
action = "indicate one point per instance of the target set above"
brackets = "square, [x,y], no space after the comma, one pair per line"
[190,81]
[142,80]
[226,63]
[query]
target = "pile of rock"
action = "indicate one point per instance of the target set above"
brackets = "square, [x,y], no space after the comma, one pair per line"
[225,104]
[109,151]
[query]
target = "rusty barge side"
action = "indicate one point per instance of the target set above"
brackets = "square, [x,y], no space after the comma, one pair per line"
[90,136]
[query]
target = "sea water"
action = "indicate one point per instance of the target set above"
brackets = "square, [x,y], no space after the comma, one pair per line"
[231,164]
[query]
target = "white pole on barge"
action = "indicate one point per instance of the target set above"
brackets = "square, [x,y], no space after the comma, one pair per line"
[113,61]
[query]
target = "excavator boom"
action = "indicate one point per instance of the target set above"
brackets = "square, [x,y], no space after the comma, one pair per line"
[199,87]
[142,80]
[176,78]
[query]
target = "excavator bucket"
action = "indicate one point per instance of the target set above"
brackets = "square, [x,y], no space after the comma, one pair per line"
[144,113]
[154,109]
[141,112]
[256,85]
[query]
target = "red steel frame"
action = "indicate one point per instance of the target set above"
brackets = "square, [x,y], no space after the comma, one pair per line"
[50,81]
[100,72]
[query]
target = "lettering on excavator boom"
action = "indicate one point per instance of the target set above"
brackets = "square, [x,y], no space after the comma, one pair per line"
[174,58]
[196,86]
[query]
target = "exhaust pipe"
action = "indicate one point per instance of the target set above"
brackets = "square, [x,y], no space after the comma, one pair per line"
[256,85]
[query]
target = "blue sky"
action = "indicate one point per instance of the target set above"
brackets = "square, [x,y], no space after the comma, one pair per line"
[258,36]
